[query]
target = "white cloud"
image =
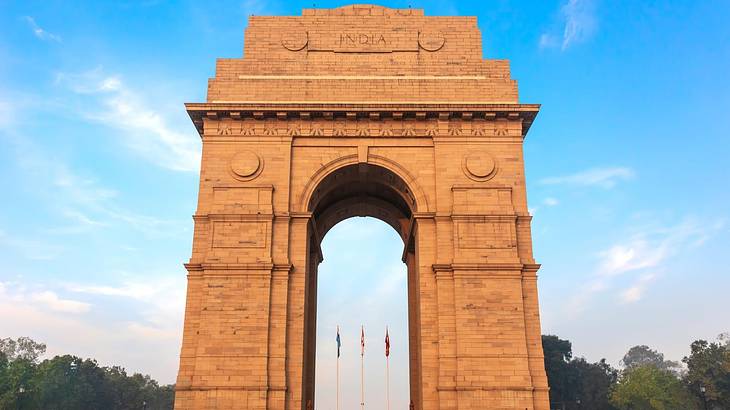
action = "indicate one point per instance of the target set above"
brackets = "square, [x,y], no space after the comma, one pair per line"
[578,22]
[635,292]
[649,247]
[156,347]
[82,199]
[19,293]
[52,301]
[600,177]
[548,41]
[641,255]
[144,129]
[39,32]
[550,201]
[162,299]
[135,290]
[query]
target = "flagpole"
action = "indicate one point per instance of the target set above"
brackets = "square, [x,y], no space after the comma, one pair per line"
[387,380]
[387,368]
[337,404]
[362,368]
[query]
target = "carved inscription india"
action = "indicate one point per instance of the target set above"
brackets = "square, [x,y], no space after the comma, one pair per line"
[351,39]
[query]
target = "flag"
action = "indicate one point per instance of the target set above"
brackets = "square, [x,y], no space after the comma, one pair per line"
[362,340]
[338,341]
[387,342]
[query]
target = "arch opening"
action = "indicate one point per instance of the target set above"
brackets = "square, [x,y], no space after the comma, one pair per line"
[363,190]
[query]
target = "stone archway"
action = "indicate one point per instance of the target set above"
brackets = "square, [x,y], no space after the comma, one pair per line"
[361,190]
[362,110]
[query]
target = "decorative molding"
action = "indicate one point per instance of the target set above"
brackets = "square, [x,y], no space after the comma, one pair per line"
[354,127]
[361,120]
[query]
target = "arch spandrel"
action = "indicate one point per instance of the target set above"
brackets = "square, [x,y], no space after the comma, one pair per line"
[407,184]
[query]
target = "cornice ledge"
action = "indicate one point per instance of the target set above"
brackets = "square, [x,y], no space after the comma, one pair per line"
[487,266]
[199,267]
[465,111]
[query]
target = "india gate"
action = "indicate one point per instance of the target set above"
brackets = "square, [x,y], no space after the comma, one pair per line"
[362,111]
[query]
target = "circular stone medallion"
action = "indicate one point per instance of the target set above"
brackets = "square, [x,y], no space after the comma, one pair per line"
[479,166]
[431,40]
[294,40]
[246,165]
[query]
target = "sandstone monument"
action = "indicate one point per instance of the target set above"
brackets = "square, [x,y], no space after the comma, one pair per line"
[362,111]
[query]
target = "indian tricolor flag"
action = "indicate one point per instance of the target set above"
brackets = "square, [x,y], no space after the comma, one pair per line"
[339,343]
[387,342]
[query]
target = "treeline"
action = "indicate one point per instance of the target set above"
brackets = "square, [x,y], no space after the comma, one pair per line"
[646,381]
[69,382]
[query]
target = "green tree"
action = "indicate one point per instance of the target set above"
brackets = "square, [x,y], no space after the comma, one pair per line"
[561,379]
[647,387]
[22,348]
[18,359]
[708,369]
[643,355]
[17,389]
[595,381]
[69,382]
[574,382]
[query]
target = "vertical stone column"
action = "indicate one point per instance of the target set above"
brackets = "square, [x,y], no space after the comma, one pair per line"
[447,337]
[299,249]
[427,306]
[277,387]
[184,396]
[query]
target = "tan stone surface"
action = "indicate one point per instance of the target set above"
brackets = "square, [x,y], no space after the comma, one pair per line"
[362,111]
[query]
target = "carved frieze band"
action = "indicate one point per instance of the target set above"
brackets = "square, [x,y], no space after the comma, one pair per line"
[354,119]
[363,128]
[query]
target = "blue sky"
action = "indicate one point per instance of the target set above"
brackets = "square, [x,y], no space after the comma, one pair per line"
[627,174]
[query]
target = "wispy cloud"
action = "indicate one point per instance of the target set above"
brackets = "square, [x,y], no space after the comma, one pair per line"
[88,194]
[52,301]
[144,129]
[82,199]
[641,256]
[20,294]
[550,201]
[39,32]
[600,177]
[649,247]
[634,292]
[32,249]
[578,23]
[162,298]
[50,315]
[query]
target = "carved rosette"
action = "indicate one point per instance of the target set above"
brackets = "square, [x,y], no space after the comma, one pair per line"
[431,40]
[479,166]
[246,165]
[295,40]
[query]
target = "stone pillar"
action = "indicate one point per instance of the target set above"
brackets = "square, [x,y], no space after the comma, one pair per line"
[299,249]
